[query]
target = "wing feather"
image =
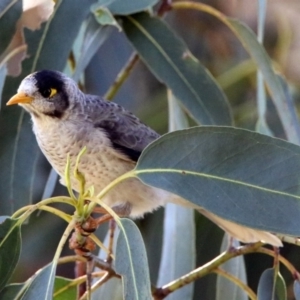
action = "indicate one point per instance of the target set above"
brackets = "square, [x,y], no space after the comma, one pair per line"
[126,132]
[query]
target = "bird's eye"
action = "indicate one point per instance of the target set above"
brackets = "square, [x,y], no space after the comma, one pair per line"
[48,93]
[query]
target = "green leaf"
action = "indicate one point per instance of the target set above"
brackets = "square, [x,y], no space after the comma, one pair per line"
[226,289]
[41,286]
[175,66]
[2,80]
[63,289]
[59,34]
[10,247]
[105,17]
[111,290]
[239,175]
[94,36]
[267,290]
[127,7]
[177,117]
[264,64]
[10,292]
[179,253]
[297,289]
[131,262]
[10,13]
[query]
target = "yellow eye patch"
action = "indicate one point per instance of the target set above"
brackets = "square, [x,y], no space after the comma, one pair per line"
[53,92]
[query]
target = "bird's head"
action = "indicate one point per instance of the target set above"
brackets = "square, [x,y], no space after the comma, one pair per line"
[46,93]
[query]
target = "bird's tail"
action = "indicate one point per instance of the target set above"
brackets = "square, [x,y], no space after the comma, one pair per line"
[243,233]
[240,232]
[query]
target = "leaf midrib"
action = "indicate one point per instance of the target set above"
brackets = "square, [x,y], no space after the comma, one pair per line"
[214,177]
[170,62]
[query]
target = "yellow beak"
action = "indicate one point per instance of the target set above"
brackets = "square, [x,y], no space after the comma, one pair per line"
[19,98]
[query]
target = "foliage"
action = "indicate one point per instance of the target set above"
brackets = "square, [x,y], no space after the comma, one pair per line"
[243,176]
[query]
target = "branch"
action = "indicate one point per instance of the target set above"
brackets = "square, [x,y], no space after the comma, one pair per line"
[237,282]
[121,77]
[209,267]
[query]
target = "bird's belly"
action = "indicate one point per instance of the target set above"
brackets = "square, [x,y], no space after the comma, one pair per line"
[100,164]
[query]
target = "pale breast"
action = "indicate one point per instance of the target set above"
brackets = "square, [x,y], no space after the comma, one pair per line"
[101,164]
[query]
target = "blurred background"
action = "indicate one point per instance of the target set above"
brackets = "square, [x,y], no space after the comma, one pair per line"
[25,175]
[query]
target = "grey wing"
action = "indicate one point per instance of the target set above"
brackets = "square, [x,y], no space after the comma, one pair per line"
[126,132]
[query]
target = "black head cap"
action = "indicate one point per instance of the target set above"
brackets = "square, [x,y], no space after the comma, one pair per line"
[47,80]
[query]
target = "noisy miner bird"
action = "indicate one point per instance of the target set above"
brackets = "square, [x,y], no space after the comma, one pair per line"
[65,120]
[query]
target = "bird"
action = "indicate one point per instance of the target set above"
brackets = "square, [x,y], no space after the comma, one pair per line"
[64,120]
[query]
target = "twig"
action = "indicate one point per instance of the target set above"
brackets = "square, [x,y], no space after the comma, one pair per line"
[289,239]
[103,265]
[112,228]
[121,77]
[209,267]
[283,260]
[237,282]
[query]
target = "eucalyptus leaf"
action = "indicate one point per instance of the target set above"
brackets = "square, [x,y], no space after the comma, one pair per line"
[3,218]
[10,292]
[179,253]
[267,290]
[264,64]
[296,288]
[126,7]
[50,184]
[261,125]
[59,34]
[10,12]
[10,248]
[112,289]
[131,262]
[177,117]
[64,289]
[226,289]
[94,36]
[175,66]
[3,71]
[105,17]
[41,286]
[239,175]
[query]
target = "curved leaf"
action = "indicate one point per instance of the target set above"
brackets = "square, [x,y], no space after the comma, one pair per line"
[178,255]
[175,66]
[261,58]
[63,289]
[296,289]
[131,262]
[267,290]
[111,290]
[237,174]
[2,79]
[11,291]
[126,7]
[10,247]
[10,12]
[263,62]
[94,36]
[41,286]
